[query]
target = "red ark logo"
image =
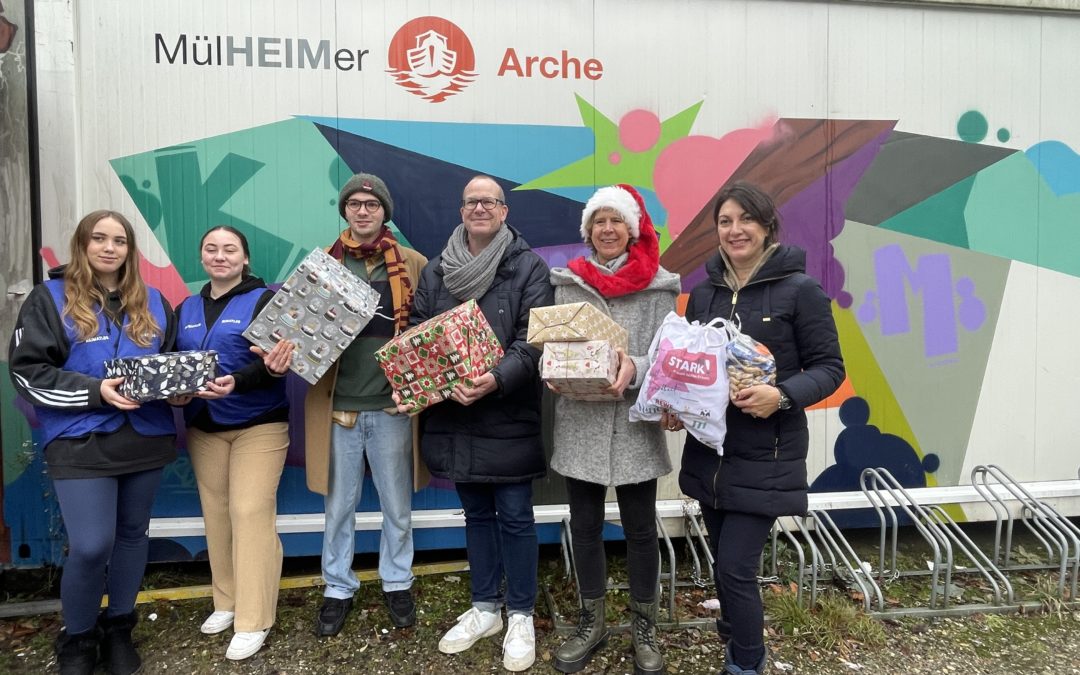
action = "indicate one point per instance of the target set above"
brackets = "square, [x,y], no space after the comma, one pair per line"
[432,58]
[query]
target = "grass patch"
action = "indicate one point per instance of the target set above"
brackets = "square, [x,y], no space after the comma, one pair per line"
[835,624]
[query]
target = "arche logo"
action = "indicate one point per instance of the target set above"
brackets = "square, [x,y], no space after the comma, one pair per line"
[431,58]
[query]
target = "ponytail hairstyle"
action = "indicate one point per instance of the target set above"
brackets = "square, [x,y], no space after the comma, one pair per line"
[84,296]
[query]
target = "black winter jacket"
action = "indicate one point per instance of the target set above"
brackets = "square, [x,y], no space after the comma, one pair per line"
[497,438]
[764,462]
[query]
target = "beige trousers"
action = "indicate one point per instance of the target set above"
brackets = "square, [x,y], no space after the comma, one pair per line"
[238,474]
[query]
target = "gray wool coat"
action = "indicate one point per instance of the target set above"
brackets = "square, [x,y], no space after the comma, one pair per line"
[595,441]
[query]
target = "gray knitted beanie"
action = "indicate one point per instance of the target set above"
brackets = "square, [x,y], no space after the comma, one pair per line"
[367,182]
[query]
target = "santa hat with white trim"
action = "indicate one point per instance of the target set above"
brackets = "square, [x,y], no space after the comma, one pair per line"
[617,198]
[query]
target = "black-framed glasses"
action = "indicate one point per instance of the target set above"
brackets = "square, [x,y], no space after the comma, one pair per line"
[370,205]
[487,202]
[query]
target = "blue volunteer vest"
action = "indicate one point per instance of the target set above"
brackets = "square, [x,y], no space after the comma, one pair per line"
[226,337]
[153,418]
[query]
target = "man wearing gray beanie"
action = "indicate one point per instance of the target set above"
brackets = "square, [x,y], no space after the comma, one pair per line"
[352,422]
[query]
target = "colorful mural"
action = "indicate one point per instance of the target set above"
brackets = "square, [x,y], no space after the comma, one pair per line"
[904,231]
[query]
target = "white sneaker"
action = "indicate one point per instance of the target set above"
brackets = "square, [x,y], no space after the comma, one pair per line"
[244,645]
[519,645]
[471,626]
[217,622]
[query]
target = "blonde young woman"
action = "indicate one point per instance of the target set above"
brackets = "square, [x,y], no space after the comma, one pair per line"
[104,452]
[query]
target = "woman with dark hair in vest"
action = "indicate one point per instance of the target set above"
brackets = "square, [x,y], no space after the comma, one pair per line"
[596,444]
[237,437]
[762,474]
[104,452]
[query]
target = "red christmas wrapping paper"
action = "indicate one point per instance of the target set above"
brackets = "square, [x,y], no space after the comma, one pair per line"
[424,363]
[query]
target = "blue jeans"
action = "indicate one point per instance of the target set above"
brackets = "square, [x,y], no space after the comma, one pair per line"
[385,442]
[500,531]
[107,521]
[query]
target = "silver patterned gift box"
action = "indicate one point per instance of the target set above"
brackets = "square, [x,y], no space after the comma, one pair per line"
[159,376]
[320,308]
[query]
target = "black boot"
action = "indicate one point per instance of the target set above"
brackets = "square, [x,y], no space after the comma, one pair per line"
[117,650]
[647,656]
[77,654]
[590,636]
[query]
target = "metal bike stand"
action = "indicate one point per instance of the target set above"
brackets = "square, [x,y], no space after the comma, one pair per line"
[1057,534]
[876,483]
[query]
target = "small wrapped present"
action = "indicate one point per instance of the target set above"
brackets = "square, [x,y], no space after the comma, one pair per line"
[582,371]
[424,363]
[158,376]
[320,308]
[573,322]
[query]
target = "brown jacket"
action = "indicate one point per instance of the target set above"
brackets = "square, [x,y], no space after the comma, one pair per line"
[319,407]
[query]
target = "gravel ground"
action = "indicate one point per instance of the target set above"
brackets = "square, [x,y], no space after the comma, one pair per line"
[170,642]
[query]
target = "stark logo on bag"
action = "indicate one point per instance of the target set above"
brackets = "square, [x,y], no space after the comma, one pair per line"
[689,367]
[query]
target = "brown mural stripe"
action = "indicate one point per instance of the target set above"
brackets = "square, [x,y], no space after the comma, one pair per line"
[802,151]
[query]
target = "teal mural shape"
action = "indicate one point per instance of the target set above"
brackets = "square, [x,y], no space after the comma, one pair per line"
[277,183]
[940,429]
[1013,213]
[972,127]
[939,218]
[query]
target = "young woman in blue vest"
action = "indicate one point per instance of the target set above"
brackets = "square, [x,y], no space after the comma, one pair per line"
[237,437]
[104,452]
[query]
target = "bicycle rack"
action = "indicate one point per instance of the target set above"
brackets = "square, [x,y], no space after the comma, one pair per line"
[825,555]
[876,483]
[816,565]
[1057,534]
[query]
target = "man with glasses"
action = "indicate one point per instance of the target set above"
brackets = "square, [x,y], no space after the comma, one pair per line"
[486,438]
[351,421]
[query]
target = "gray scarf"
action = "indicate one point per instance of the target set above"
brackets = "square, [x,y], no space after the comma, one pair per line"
[612,266]
[468,276]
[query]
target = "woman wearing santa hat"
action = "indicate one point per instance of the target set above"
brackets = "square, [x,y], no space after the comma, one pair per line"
[596,446]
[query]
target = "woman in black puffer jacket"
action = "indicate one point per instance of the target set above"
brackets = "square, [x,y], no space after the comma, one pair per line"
[763,476]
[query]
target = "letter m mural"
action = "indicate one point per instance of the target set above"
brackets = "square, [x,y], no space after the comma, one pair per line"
[946,302]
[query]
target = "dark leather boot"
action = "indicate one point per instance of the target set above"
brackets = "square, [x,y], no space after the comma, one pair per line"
[591,635]
[77,654]
[117,649]
[647,656]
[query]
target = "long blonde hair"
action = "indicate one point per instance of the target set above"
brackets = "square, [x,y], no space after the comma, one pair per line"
[84,297]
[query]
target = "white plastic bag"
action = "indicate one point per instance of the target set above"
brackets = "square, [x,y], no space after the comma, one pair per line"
[687,376]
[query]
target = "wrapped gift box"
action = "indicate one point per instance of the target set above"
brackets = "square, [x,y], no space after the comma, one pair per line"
[320,308]
[425,362]
[159,376]
[581,370]
[573,322]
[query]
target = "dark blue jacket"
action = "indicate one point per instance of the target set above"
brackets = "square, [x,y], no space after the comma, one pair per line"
[226,337]
[496,439]
[66,413]
[763,470]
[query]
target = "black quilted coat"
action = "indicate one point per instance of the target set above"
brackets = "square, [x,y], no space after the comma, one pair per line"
[763,470]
